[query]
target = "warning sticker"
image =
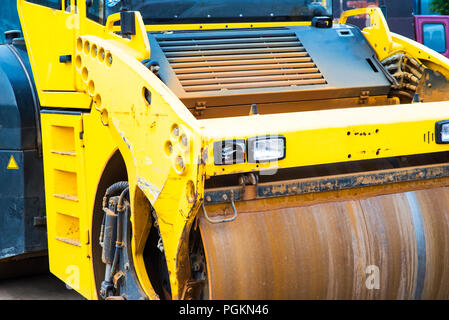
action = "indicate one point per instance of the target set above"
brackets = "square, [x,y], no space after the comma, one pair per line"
[12,164]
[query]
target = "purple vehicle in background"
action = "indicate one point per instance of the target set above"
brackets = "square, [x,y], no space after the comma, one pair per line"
[433,31]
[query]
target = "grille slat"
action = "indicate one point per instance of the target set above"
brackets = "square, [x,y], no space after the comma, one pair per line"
[278,66]
[192,41]
[239,62]
[205,75]
[231,46]
[249,61]
[239,57]
[230,51]
[283,77]
[252,85]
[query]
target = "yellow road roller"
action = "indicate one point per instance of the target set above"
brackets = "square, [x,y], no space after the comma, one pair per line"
[239,150]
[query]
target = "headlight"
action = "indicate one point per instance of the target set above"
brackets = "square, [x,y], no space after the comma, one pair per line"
[229,152]
[442,132]
[266,149]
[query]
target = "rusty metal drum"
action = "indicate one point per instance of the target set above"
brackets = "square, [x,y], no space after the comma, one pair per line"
[390,246]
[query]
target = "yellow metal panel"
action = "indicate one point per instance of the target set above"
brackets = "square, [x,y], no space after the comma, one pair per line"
[46,42]
[72,100]
[44,50]
[142,131]
[65,200]
[205,26]
[330,136]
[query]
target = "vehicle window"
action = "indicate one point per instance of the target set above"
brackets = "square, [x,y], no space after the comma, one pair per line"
[55,4]
[211,11]
[96,11]
[434,36]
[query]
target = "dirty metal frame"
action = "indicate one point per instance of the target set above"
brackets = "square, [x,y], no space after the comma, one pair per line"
[324,184]
[168,152]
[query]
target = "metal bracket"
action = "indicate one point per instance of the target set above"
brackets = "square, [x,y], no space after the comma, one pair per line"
[364,96]
[222,220]
[199,108]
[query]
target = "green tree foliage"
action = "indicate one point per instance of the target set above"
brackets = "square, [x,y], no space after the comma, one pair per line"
[440,6]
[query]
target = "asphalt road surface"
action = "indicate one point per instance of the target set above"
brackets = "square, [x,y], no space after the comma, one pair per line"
[38,287]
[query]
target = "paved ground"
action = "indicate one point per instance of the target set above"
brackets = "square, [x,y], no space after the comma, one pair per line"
[39,287]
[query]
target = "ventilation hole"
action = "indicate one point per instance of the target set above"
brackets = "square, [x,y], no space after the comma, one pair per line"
[78,62]
[91,88]
[85,74]
[108,59]
[79,44]
[94,51]
[86,47]
[147,95]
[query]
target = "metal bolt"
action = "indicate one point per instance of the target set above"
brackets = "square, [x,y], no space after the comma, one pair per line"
[225,197]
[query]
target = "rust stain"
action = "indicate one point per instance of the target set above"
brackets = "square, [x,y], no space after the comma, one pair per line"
[283,249]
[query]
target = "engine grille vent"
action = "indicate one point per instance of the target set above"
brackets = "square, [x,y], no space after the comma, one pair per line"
[248,61]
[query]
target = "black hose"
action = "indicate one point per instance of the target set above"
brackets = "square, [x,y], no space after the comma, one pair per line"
[119,239]
[114,190]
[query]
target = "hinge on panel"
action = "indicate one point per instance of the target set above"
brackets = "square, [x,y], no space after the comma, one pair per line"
[364,95]
[39,221]
[199,108]
[81,133]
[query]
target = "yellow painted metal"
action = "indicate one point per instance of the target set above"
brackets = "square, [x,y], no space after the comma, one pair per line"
[206,26]
[387,43]
[55,81]
[331,136]
[66,200]
[161,142]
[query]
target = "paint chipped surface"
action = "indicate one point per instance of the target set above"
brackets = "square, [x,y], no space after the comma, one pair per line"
[148,188]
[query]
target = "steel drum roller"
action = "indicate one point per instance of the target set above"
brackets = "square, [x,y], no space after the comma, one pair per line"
[332,250]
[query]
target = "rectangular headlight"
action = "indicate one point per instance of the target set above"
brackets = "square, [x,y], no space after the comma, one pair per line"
[442,132]
[266,149]
[229,151]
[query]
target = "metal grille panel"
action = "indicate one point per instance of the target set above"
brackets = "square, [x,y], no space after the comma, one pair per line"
[248,61]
